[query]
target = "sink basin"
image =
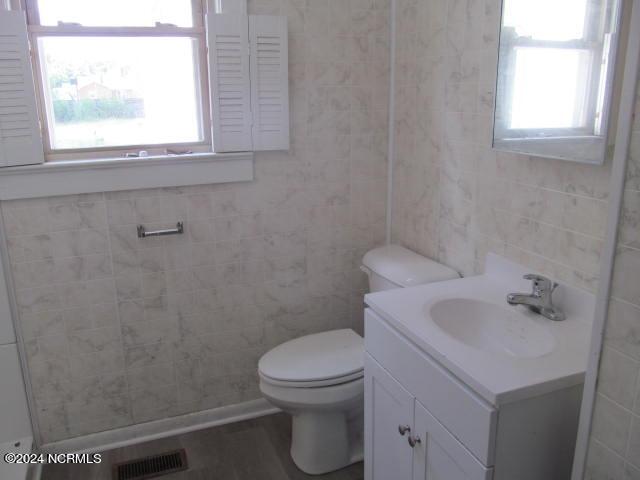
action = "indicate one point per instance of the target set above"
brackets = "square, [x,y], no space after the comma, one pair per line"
[490,327]
[502,352]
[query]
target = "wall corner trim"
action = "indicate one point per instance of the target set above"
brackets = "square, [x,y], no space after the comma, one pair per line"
[391,135]
[623,138]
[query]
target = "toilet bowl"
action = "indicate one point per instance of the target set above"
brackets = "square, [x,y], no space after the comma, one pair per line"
[319,379]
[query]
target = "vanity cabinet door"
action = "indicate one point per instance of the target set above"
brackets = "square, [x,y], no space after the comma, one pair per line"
[388,411]
[437,455]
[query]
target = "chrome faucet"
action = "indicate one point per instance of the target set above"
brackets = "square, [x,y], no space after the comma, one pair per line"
[540,299]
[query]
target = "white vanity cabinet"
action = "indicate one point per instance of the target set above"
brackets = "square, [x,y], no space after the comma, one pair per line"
[438,455]
[388,413]
[404,441]
[423,423]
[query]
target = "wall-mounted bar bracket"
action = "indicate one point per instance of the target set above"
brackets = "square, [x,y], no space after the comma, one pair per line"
[142,233]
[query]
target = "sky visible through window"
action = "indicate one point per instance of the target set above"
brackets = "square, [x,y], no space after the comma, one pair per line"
[549,91]
[549,83]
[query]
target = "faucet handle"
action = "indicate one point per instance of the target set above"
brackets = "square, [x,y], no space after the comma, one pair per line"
[541,284]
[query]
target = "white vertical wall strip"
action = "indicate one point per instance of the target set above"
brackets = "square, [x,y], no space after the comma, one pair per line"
[7,332]
[27,411]
[392,119]
[623,137]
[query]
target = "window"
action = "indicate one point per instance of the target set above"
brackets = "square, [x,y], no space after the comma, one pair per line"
[120,75]
[554,68]
[104,78]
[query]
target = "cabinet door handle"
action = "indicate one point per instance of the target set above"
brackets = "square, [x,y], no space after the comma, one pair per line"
[413,441]
[404,429]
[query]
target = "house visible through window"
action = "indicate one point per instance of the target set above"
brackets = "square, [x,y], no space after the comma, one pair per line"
[120,75]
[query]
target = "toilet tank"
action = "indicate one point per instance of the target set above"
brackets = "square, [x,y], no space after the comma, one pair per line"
[393,266]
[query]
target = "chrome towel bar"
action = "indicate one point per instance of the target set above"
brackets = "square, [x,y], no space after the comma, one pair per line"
[142,233]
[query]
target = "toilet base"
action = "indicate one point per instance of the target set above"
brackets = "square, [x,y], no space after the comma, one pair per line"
[321,442]
[327,423]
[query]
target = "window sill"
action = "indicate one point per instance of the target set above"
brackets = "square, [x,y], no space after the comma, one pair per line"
[108,175]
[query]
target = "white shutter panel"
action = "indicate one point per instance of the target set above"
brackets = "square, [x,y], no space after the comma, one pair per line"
[269,82]
[230,85]
[20,138]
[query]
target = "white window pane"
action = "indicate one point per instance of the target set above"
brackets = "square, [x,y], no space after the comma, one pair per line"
[116,13]
[549,88]
[547,19]
[108,92]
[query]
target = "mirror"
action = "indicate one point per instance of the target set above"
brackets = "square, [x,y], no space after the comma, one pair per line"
[555,78]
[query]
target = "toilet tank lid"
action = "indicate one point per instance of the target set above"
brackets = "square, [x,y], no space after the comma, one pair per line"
[406,268]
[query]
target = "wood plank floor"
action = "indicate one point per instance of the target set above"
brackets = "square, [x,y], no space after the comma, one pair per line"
[251,450]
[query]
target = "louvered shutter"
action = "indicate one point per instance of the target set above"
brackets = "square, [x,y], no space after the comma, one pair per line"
[20,138]
[269,82]
[230,87]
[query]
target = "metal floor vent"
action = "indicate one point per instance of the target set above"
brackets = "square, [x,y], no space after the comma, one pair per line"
[151,467]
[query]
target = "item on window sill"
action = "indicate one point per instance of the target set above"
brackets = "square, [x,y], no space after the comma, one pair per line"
[170,151]
[69,24]
[142,233]
[140,154]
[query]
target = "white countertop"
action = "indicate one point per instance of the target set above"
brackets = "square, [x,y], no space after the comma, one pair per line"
[496,377]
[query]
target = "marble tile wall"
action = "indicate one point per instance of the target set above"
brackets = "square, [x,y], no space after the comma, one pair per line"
[120,330]
[455,198]
[614,451]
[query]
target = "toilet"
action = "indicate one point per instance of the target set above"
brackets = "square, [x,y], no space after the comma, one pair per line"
[319,379]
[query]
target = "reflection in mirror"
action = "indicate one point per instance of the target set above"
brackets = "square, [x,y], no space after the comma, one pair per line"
[555,77]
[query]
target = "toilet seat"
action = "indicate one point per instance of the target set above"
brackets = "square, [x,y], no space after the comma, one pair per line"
[312,384]
[317,360]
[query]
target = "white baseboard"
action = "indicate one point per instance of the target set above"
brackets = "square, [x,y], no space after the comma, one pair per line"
[166,427]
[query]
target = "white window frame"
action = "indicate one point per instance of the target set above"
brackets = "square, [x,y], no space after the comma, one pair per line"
[197,32]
